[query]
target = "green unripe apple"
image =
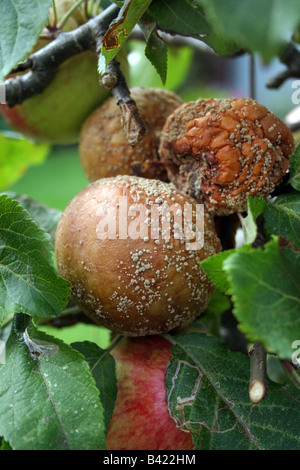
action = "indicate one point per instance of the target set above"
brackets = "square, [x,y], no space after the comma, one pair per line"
[56,115]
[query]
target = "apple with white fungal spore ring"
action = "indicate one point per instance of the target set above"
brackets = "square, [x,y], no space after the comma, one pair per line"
[137,277]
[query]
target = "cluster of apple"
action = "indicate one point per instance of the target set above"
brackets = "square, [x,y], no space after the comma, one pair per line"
[134,285]
[131,263]
[145,278]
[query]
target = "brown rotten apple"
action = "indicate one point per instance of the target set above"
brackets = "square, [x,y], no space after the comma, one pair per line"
[141,419]
[57,114]
[132,268]
[103,147]
[225,149]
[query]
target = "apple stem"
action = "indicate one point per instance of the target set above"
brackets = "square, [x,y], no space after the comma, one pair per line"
[96,7]
[69,13]
[132,122]
[258,372]
[292,371]
[114,343]
[54,14]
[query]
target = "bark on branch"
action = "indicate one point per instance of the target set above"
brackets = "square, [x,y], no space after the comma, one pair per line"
[44,63]
[131,120]
[258,372]
[291,58]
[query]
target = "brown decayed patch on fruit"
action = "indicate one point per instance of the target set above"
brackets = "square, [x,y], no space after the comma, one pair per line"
[104,149]
[140,286]
[224,150]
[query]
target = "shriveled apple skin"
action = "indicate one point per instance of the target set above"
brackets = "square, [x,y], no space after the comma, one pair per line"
[141,420]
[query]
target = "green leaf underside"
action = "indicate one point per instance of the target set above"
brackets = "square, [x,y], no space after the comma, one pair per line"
[207,389]
[268,37]
[120,29]
[294,168]
[50,402]
[21,25]
[28,281]
[283,217]
[213,267]
[256,206]
[156,50]
[265,287]
[103,369]
[183,17]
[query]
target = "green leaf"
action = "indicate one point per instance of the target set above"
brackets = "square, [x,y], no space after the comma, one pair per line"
[185,18]
[119,30]
[213,267]
[118,2]
[265,288]
[4,445]
[144,72]
[48,398]
[294,168]
[21,26]
[103,368]
[180,17]
[256,205]
[283,217]
[265,27]
[5,330]
[156,50]
[218,303]
[16,156]
[207,393]
[46,217]
[28,281]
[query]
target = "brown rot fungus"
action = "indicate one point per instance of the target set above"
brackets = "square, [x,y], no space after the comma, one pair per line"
[132,262]
[221,150]
[104,149]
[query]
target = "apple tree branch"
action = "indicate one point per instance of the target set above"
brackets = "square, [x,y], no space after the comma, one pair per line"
[42,66]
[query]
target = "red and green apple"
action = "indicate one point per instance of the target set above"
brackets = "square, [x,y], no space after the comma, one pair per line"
[141,420]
